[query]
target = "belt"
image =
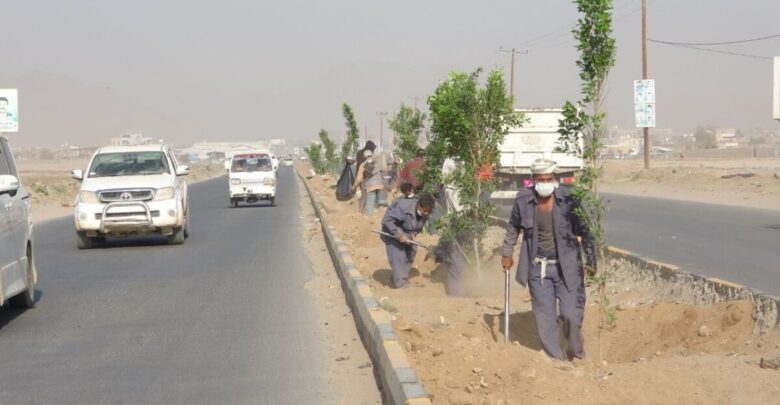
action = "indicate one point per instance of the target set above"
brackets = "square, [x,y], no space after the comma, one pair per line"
[544,262]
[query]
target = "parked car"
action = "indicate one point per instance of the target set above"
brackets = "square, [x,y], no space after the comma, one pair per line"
[18,275]
[132,190]
[252,178]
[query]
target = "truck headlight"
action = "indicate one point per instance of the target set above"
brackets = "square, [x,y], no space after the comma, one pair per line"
[165,193]
[269,181]
[235,181]
[88,197]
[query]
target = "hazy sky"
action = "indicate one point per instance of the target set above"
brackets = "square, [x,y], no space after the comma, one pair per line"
[190,70]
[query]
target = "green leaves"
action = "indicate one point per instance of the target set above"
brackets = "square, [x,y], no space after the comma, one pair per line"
[314,152]
[349,147]
[408,125]
[331,161]
[469,122]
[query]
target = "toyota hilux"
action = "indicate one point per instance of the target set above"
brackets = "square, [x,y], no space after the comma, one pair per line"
[132,190]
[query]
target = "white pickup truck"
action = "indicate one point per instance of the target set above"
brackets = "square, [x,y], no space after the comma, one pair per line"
[537,138]
[132,190]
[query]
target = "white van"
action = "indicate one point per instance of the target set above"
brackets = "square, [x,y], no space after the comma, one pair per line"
[17,266]
[252,178]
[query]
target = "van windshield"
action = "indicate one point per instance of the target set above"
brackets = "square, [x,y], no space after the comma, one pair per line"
[129,164]
[251,163]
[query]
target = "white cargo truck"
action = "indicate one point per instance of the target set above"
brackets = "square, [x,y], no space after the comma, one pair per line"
[537,138]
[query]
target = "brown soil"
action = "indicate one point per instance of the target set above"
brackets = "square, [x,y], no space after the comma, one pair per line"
[699,180]
[654,354]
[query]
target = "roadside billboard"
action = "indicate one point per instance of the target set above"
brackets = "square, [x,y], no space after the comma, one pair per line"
[9,110]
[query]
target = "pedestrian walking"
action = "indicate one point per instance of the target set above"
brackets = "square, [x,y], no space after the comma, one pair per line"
[404,219]
[550,262]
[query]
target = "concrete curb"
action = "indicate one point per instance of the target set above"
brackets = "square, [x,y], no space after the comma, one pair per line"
[671,283]
[399,381]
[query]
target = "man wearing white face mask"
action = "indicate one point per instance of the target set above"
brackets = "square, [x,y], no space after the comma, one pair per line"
[550,263]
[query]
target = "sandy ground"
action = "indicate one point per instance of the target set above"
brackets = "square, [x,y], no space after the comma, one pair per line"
[657,352]
[54,191]
[350,369]
[699,180]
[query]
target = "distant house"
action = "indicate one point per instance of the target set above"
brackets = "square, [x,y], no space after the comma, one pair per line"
[75,152]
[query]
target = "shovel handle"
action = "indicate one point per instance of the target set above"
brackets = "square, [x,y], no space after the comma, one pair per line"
[506,306]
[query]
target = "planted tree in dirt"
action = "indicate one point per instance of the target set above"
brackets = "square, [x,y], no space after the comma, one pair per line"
[585,121]
[407,125]
[349,147]
[330,160]
[314,152]
[469,122]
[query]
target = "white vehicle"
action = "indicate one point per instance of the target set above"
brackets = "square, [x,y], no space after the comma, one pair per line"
[132,190]
[288,160]
[17,267]
[275,162]
[537,138]
[252,178]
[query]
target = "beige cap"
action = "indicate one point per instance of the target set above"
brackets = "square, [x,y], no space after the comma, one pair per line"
[543,166]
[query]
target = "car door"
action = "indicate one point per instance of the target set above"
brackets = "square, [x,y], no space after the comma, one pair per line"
[8,245]
[180,184]
[20,207]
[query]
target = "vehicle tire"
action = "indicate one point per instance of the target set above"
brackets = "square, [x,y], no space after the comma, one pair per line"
[235,203]
[177,237]
[187,224]
[273,201]
[26,299]
[85,242]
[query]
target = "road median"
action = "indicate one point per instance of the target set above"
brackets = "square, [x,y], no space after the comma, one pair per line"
[398,379]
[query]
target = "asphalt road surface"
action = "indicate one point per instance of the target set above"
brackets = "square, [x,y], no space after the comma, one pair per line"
[733,243]
[223,318]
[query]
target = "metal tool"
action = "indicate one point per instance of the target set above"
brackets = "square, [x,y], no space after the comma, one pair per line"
[506,305]
[411,242]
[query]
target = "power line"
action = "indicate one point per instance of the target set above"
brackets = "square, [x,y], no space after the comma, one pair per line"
[741,41]
[745,55]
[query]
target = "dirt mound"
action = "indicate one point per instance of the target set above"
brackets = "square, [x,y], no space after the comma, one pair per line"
[657,352]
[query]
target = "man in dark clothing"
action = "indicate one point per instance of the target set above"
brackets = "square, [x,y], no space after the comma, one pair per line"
[404,219]
[550,261]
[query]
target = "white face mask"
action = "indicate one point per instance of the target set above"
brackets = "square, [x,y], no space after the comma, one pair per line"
[369,160]
[545,189]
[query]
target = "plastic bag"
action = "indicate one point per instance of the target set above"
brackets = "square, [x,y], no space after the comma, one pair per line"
[344,190]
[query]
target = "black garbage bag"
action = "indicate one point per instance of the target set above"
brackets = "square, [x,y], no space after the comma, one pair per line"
[344,190]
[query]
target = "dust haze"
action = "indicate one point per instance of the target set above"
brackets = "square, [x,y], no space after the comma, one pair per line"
[188,71]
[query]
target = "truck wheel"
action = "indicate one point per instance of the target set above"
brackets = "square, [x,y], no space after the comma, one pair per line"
[235,203]
[177,237]
[85,242]
[187,225]
[26,299]
[273,201]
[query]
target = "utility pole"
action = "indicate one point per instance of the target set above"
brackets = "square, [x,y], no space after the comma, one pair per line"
[512,70]
[381,115]
[415,98]
[645,130]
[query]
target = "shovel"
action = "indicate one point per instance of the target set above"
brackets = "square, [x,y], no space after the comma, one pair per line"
[411,242]
[506,306]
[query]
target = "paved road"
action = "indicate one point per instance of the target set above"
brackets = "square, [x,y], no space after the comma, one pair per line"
[222,319]
[733,243]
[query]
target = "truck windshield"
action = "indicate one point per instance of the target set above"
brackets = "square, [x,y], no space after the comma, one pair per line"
[129,164]
[257,163]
